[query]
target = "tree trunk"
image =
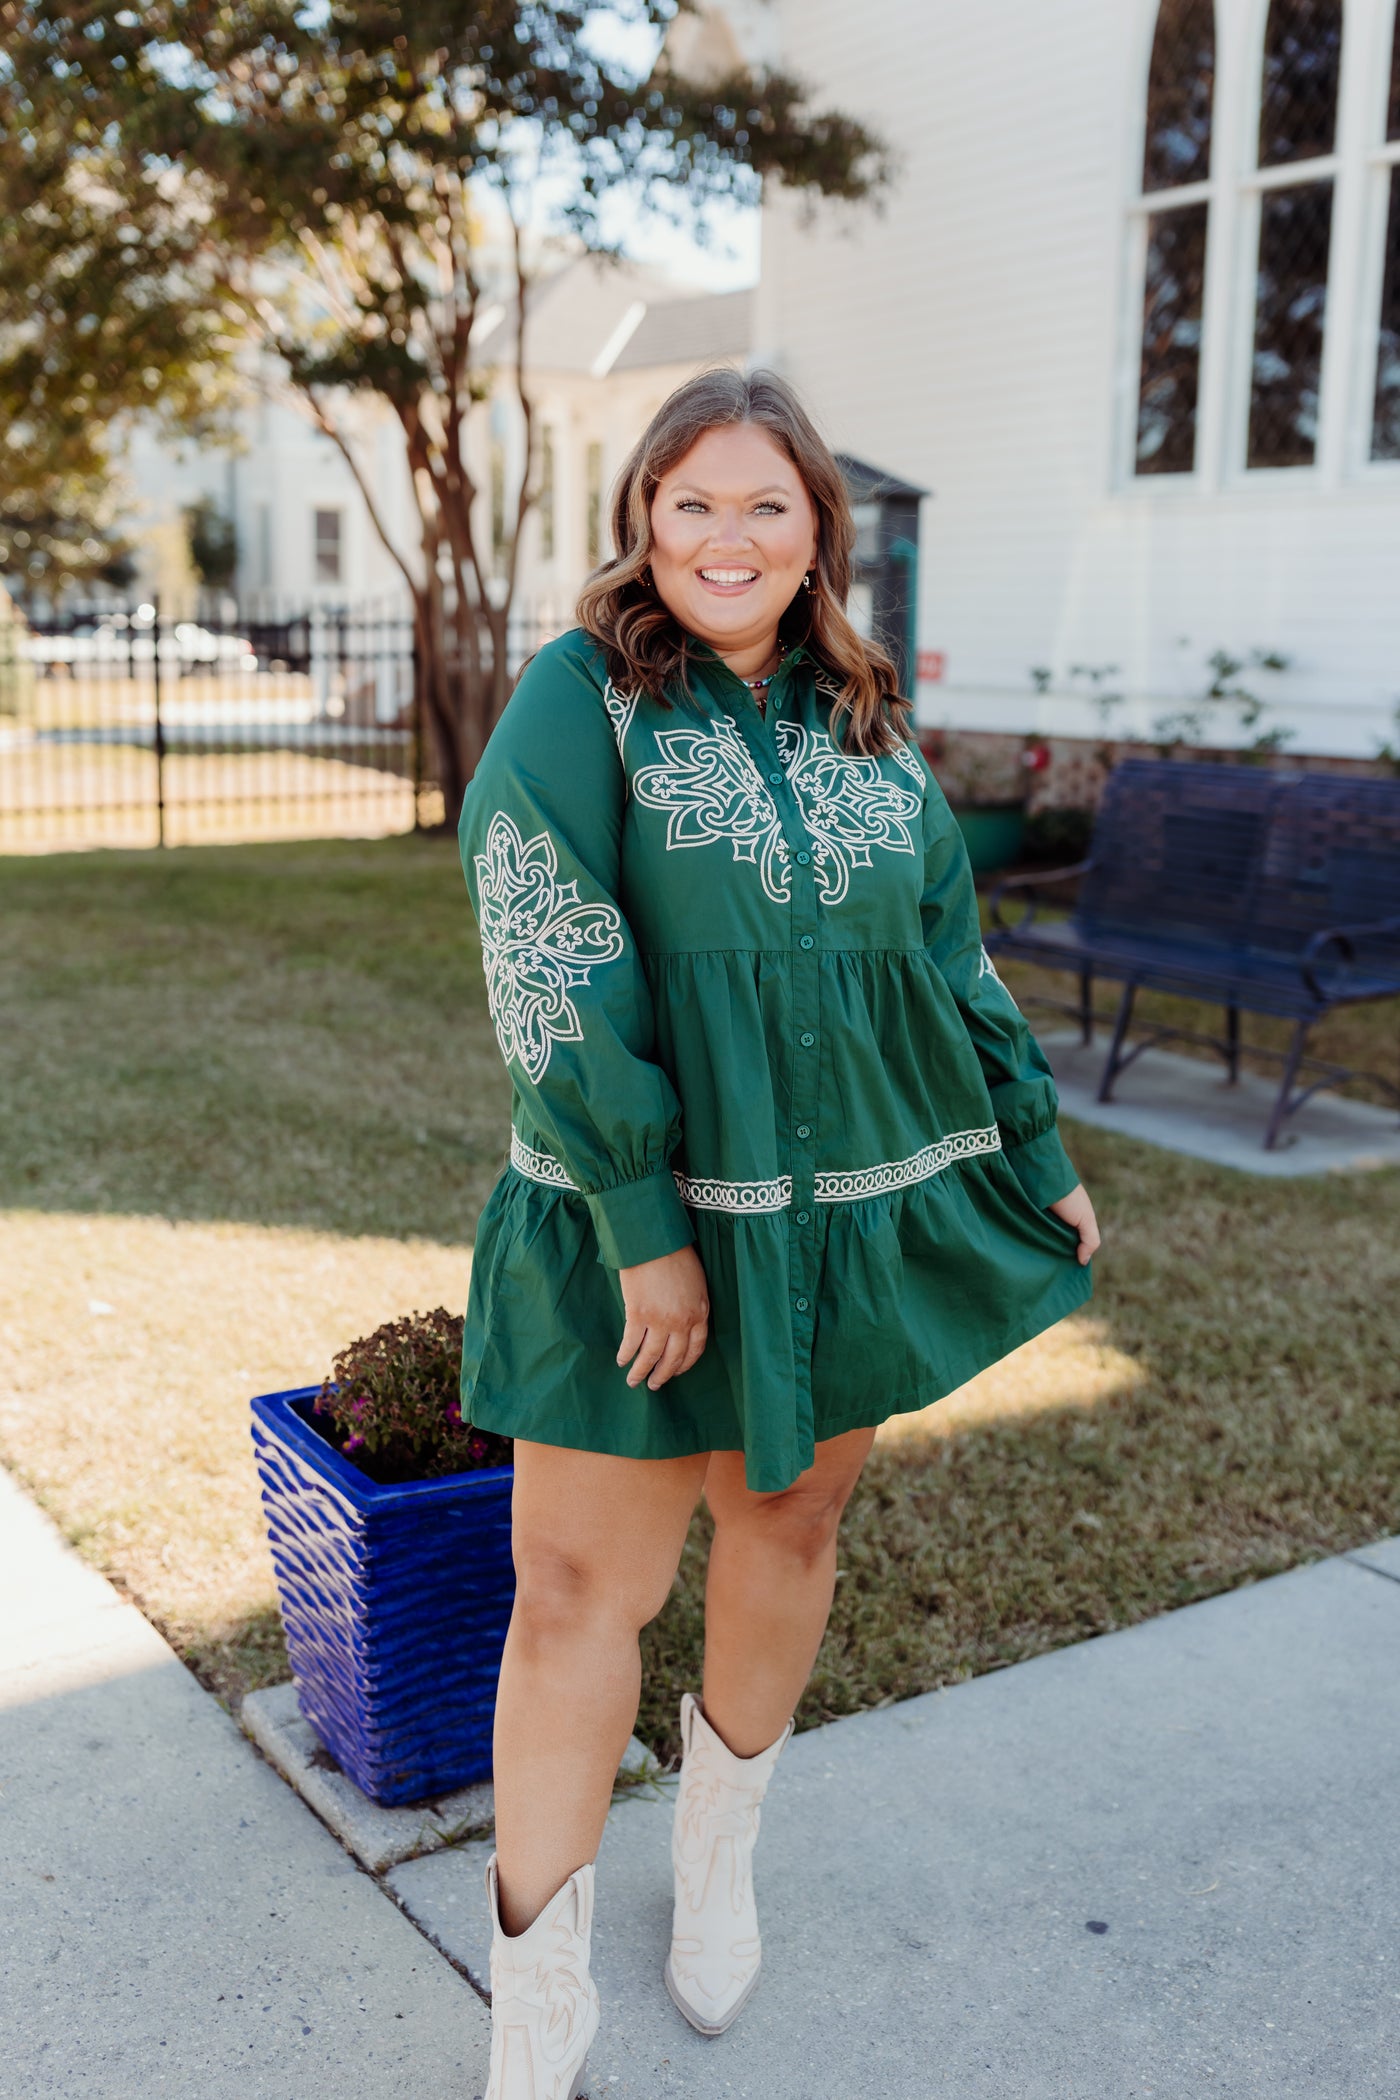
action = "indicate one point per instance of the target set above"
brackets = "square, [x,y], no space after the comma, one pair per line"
[461,689]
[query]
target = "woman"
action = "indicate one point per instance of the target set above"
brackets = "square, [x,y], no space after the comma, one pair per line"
[783,1163]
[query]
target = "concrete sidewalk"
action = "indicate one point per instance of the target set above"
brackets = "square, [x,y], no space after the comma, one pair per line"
[1163,1863]
[172,1919]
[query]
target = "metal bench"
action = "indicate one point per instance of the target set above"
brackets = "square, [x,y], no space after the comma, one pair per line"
[1263,892]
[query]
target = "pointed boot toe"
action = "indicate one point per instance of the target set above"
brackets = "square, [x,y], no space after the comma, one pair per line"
[713,1967]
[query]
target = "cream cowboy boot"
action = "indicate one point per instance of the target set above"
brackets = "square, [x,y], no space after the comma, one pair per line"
[713,1967]
[544,2009]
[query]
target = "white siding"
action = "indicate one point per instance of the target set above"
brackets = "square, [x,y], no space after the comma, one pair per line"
[976,338]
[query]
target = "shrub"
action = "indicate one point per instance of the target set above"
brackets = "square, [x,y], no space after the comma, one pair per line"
[1058,837]
[394,1408]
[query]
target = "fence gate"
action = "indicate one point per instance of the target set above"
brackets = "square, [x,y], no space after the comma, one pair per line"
[121,728]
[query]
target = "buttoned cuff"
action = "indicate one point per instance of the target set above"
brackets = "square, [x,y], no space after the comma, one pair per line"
[1043,1168]
[640,1220]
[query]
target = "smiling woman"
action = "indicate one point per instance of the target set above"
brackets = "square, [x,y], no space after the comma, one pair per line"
[734,530]
[784,1163]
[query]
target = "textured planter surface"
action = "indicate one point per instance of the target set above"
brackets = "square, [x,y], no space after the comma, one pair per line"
[395,1602]
[994,834]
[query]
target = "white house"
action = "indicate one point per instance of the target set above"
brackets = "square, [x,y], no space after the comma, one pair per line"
[1132,314]
[605,343]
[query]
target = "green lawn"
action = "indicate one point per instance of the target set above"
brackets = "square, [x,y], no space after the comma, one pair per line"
[252,1104]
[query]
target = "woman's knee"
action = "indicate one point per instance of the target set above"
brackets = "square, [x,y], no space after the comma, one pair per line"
[799,1525]
[563,1592]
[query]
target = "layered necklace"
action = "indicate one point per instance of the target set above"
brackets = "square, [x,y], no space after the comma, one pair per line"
[759,686]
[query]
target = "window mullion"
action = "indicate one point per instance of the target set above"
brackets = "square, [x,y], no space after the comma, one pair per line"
[1172,200]
[1341,348]
[1290,174]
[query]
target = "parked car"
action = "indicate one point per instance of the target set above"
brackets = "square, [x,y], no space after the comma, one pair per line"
[121,640]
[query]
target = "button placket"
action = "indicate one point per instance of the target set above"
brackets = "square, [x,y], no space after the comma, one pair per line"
[805,954]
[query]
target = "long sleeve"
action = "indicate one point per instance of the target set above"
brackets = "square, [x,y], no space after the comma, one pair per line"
[1018,1078]
[541,835]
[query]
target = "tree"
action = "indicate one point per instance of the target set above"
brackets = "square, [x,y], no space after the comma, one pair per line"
[337,161]
[107,310]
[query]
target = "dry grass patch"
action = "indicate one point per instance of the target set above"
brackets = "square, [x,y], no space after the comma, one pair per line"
[130,1349]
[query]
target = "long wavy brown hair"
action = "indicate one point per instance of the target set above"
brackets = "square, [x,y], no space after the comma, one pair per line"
[647,649]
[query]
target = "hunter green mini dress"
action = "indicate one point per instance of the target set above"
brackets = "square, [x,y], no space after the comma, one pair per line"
[738,980]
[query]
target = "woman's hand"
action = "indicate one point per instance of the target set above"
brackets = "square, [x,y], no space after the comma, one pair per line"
[668,1316]
[1078,1211]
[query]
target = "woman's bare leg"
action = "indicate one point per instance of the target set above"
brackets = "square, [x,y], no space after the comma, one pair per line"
[597,1541]
[769,1589]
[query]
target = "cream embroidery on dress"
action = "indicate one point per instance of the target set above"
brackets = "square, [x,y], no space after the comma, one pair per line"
[539,941]
[737,1196]
[538,1166]
[849,805]
[741,1198]
[712,790]
[621,707]
[860,1182]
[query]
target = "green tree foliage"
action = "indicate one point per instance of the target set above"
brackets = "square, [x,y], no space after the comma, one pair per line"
[332,169]
[107,309]
[213,544]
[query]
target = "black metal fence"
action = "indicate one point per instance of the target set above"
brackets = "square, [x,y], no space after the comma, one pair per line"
[120,726]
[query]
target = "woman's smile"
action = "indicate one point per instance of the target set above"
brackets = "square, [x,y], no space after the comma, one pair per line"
[728,582]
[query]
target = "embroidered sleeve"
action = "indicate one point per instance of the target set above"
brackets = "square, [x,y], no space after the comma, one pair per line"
[1013,1064]
[541,838]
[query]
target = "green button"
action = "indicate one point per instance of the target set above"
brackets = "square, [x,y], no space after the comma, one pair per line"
[804,1217]
[803,856]
[806,1039]
[804,1130]
[775,779]
[806,941]
[802,1305]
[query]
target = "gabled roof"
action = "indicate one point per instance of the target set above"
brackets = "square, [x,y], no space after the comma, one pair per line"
[866,482]
[690,331]
[598,316]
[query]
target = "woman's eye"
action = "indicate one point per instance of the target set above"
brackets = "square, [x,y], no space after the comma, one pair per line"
[769,503]
[690,503]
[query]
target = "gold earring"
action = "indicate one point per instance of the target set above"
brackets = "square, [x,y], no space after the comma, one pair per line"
[807,580]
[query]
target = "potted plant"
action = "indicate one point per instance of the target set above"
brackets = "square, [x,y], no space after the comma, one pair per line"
[389,1520]
[987,781]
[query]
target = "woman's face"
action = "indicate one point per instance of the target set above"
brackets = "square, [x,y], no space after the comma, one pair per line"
[733,532]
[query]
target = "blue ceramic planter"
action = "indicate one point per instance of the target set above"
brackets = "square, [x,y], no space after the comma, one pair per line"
[395,1602]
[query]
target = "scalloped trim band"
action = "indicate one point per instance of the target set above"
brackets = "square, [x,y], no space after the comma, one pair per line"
[743,1197]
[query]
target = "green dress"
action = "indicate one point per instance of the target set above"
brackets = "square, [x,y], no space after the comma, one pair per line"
[738,980]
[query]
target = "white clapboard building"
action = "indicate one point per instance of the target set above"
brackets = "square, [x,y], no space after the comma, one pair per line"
[1131,312]
[605,343]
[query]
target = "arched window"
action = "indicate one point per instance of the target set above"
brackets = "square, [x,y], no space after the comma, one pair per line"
[1175,205]
[1385,424]
[1295,179]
